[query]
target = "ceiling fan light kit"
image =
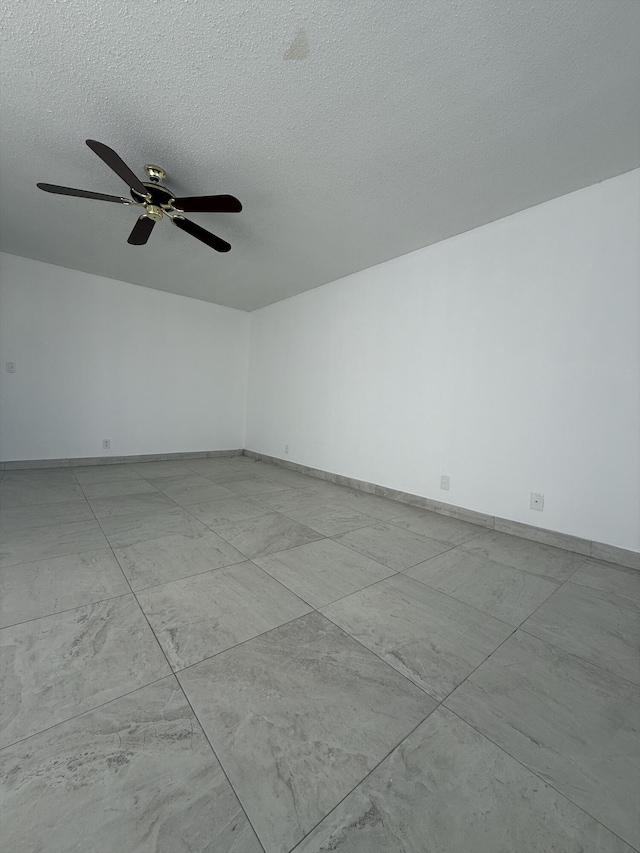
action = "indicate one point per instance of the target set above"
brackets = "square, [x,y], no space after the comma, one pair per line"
[156,200]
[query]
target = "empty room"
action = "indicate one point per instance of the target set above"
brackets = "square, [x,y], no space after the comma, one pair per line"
[320,469]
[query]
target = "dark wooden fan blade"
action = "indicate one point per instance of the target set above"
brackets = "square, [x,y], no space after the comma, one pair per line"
[53,188]
[201,234]
[141,231]
[115,162]
[208,204]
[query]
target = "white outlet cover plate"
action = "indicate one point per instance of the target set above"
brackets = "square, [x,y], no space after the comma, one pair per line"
[537,501]
[445,482]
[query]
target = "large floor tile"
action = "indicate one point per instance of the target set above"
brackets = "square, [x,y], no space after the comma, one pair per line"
[173,556]
[392,546]
[41,515]
[28,544]
[322,571]
[292,500]
[506,593]
[227,510]
[151,470]
[222,470]
[572,723]
[123,530]
[255,486]
[585,622]
[59,666]
[33,476]
[437,526]
[136,774]
[448,789]
[290,479]
[544,560]
[378,507]
[621,585]
[86,474]
[191,489]
[429,637]
[199,616]
[141,504]
[298,717]
[19,493]
[32,590]
[111,488]
[331,519]
[266,534]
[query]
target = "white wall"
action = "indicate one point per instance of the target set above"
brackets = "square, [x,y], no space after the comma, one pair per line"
[507,357]
[97,358]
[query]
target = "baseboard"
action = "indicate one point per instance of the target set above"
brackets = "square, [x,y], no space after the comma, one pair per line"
[22,464]
[586,547]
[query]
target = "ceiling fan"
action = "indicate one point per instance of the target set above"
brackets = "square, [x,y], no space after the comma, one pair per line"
[157,200]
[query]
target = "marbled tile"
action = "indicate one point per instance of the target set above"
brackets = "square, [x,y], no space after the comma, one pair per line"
[501,591]
[322,571]
[28,544]
[586,623]
[621,585]
[294,500]
[429,637]
[131,504]
[105,473]
[161,469]
[378,507]
[32,590]
[62,665]
[393,547]
[331,519]
[41,476]
[298,717]
[255,486]
[284,476]
[199,616]
[544,560]
[227,511]
[124,530]
[451,789]
[266,534]
[437,526]
[173,556]
[41,515]
[191,489]
[111,488]
[14,494]
[572,723]
[136,774]
[221,470]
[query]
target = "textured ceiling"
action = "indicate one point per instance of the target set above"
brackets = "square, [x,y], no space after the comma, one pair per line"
[351,131]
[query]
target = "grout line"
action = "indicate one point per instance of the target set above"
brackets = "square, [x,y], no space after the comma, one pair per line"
[173,672]
[373,769]
[634,684]
[66,609]
[87,711]
[222,767]
[538,776]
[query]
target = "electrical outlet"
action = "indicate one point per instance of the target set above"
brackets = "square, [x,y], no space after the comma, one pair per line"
[445,482]
[106,444]
[11,367]
[286,450]
[537,501]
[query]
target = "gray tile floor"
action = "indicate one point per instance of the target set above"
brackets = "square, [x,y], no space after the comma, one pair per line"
[225,656]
